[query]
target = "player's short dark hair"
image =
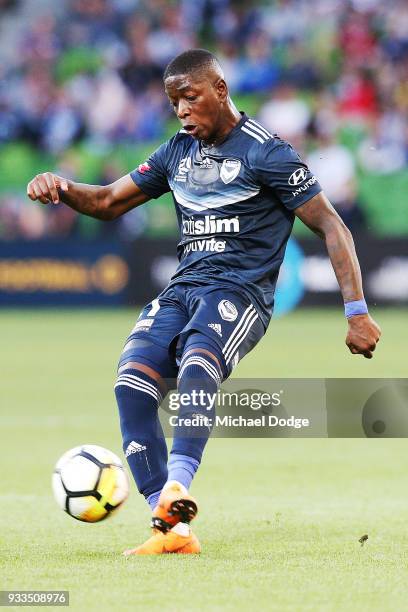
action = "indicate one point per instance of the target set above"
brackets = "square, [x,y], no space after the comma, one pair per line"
[191,61]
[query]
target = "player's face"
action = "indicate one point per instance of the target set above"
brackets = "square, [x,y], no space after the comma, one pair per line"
[198,103]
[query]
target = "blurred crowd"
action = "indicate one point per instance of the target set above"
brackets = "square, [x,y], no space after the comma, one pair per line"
[90,72]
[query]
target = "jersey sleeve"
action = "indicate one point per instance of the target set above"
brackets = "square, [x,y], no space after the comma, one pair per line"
[280,168]
[151,176]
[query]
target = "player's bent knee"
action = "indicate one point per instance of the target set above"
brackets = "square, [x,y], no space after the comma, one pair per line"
[136,365]
[202,356]
[149,357]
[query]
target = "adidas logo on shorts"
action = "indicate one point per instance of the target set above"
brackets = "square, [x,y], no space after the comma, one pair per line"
[216,327]
[134,447]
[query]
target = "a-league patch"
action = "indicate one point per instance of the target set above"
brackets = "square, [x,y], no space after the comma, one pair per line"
[227,310]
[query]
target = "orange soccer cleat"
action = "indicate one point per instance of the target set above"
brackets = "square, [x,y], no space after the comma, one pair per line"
[180,539]
[171,531]
[175,505]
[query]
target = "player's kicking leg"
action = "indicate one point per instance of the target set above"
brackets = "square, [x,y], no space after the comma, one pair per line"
[143,369]
[199,370]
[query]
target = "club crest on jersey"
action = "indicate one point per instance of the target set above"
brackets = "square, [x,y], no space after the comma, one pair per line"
[229,170]
[227,310]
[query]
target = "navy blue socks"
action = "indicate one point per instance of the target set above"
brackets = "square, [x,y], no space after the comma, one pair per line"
[199,378]
[138,397]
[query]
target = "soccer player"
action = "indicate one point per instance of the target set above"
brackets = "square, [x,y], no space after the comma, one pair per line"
[237,189]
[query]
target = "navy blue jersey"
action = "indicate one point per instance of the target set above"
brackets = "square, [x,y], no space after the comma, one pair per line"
[234,204]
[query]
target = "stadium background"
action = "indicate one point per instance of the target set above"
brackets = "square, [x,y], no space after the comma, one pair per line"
[81,94]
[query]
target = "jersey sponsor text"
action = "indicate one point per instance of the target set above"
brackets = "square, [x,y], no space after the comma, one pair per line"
[217,246]
[304,187]
[210,224]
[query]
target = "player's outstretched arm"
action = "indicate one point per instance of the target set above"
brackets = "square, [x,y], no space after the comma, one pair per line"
[102,202]
[318,214]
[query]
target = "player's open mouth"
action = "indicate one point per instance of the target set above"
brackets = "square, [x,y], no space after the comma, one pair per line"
[191,129]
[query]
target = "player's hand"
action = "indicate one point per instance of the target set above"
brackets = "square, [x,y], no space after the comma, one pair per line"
[363,335]
[45,187]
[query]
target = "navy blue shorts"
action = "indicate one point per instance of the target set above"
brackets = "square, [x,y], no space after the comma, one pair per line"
[226,316]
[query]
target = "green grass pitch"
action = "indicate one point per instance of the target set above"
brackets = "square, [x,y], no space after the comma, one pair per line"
[280,519]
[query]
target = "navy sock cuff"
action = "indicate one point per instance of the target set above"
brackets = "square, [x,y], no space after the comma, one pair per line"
[132,381]
[139,374]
